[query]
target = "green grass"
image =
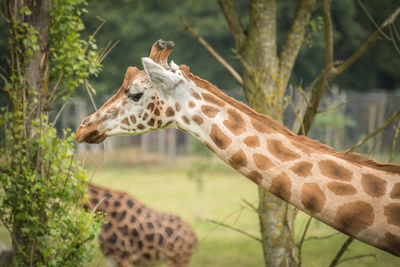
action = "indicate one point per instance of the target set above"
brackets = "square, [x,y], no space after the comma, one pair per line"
[168,189]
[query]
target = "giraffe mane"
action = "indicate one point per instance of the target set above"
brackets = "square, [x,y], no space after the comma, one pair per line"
[301,140]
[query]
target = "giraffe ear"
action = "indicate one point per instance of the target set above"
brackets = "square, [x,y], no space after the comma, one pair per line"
[159,76]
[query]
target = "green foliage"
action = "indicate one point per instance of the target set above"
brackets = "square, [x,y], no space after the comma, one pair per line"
[41,186]
[72,59]
[41,191]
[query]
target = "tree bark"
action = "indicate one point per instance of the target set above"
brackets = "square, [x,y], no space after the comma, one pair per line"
[32,67]
[265,77]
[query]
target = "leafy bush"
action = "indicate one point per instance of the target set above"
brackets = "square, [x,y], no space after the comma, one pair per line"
[41,191]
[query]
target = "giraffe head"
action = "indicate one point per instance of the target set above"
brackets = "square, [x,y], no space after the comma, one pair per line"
[145,102]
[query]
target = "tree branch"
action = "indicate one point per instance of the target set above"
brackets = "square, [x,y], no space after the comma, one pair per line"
[295,38]
[326,9]
[234,21]
[371,40]
[207,46]
[395,137]
[236,229]
[342,250]
[358,257]
[383,126]
[327,76]
[300,244]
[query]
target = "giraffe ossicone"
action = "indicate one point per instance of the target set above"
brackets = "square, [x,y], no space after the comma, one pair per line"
[357,196]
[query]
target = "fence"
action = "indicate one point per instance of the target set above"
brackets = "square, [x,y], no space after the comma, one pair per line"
[347,117]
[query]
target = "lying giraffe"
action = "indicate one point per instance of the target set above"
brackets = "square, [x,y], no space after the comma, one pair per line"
[137,235]
[357,196]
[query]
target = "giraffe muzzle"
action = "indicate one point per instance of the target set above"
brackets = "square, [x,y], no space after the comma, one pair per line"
[89,135]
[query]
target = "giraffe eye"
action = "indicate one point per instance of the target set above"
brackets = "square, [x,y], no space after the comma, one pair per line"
[135,97]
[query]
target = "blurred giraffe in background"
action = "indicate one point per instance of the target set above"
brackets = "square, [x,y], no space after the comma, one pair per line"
[137,235]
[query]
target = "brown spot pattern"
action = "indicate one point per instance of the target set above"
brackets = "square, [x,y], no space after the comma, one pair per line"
[150,106]
[185,120]
[156,112]
[145,116]
[392,213]
[255,176]
[159,123]
[209,111]
[262,162]
[354,217]
[192,104]
[212,99]
[235,122]
[169,112]
[140,126]
[125,121]
[281,186]
[331,169]
[392,243]
[302,168]
[151,122]
[373,185]
[342,189]
[260,127]
[197,119]
[238,159]
[133,118]
[280,151]
[395,193]
[312,197]
[219,138]
[196,95]
[252,141]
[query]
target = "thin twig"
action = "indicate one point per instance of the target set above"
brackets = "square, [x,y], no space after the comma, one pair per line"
[300,244]
[342,250]
[372,20]
[250,205]
[97,205]
[235,229]
[395,138]
[90,87]
[107,51]
[322,237]
[59,113]
[214,53]
[392,29]
[90,95]
[333,107]
[103,21]
[373,255]
[383,126]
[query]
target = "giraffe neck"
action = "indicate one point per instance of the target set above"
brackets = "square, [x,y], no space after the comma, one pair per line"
[362,200]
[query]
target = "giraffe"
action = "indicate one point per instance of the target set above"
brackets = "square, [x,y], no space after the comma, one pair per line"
[358,196]
[137,235]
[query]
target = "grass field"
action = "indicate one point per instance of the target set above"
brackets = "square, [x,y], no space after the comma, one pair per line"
[168,188]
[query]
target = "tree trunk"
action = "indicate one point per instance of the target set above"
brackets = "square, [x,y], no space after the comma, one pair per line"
[263,93]
[32,68]
[265,77]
